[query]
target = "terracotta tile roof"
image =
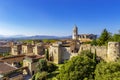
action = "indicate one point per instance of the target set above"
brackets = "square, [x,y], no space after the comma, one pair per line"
[35,58]
[9,57]
[6,68]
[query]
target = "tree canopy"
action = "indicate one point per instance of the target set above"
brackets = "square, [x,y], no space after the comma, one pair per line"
[104,37]
[116,37]
[40,76]
[44,67]
[78,68]
[108,71]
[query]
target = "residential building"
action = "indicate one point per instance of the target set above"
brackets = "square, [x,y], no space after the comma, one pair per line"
[8,72]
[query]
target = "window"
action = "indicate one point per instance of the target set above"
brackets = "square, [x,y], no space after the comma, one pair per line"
[33,72]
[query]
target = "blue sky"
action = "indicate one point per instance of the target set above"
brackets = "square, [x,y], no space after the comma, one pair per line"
[58,17]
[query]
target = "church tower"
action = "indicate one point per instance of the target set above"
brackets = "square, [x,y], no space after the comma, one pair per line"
[75,33]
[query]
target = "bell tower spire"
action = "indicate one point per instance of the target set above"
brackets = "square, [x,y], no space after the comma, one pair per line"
[75,33]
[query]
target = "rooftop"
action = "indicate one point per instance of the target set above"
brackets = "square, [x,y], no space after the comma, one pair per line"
[6,68]
[34,58]
[13,56]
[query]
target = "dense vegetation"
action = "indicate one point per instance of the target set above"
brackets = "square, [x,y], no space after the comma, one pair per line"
[49,40]
[44,68]
[82,67]
[105,37]
[108,71]
[79,68]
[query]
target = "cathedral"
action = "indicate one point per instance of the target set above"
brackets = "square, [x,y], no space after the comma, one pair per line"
[82,37]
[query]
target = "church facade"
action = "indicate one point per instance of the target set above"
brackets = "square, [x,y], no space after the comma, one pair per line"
[82,37]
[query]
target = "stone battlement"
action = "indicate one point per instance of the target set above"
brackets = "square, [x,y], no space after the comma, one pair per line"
[110,53]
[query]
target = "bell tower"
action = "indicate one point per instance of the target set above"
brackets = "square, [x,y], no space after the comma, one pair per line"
[75,33]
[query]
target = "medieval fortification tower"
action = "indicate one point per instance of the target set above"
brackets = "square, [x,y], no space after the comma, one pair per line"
[113,52]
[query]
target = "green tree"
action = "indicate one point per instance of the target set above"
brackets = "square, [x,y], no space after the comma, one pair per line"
[104,37]
[107,71]
[44,68]
[40,76]
[94,42]
[78,68]
[51,67]
[116,37]
[49,40]
[42,65]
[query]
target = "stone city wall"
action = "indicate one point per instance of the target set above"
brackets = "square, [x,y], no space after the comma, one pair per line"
[101,51]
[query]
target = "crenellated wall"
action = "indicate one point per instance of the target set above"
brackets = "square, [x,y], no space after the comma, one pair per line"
[108,53]
[58,53]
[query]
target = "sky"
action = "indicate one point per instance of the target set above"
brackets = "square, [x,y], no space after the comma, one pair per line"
[58,17]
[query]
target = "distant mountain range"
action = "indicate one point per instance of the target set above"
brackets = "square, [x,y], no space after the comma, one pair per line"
[33,37]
